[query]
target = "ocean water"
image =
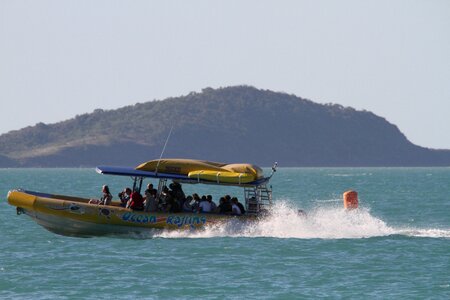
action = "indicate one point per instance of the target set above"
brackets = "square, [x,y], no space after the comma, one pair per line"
[395,246]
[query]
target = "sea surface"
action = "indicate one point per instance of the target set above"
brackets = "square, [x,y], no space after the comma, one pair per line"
[395,246]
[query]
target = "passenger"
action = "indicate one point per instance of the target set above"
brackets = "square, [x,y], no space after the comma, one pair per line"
[151,202]
[196,203]
[172,188]
[136,201]
[105,199]
[165,199]
[149,188]
[205,205]
[124,196]
[240,205]
[224,207]
[187,206]
[213,205]
[177,191]
[235,210]
[148,193]
[176,206]
[177,197]
[218,208]
[228,203]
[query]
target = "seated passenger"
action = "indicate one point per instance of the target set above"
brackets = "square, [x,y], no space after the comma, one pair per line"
[177,191]
[164,198]
[213,205]
[150,192]
[175,206]
[177,197]
[205,205]
[219,207]
[149,188]
[105,199]
[235,210]
[124,196]
[196,203]
[151,202]
[187,206]
[136,201]
[240,205]
[224,207]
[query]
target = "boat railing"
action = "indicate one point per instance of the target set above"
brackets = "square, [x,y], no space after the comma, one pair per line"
[258,199]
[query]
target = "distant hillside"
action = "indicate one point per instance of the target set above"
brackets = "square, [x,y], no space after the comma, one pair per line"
[233,124]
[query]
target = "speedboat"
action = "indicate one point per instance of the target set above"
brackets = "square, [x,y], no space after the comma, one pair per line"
[75,216]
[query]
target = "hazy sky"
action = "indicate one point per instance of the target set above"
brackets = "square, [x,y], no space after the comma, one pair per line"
[63,58]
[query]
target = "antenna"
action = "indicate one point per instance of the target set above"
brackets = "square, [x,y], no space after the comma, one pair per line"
[274,169]
[164,148]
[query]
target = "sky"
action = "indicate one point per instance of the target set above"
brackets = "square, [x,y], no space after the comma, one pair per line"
[59,59]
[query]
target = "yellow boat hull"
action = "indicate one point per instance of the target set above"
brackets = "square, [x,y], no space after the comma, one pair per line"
[76,217]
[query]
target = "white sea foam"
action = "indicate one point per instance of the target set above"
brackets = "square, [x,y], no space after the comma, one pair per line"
[349,175]
[324,222]
[420,232]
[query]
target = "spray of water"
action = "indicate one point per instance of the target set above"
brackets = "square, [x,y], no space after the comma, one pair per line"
[322,223]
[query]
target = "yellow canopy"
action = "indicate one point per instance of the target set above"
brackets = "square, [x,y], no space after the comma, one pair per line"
[186,166]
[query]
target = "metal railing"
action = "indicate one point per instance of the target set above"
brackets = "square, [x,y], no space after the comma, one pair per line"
[258,199]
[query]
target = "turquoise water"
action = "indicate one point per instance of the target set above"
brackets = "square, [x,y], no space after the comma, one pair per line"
[396,246]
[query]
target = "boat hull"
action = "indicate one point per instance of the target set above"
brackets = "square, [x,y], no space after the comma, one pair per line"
[76,217]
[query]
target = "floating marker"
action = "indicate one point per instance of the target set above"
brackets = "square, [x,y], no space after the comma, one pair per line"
[350,199]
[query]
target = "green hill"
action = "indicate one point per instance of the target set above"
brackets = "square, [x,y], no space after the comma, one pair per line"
[233,124]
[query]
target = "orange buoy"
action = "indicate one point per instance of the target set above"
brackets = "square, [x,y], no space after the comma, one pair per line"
[350,199]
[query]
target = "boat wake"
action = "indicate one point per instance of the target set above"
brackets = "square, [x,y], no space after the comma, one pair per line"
[320,223]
